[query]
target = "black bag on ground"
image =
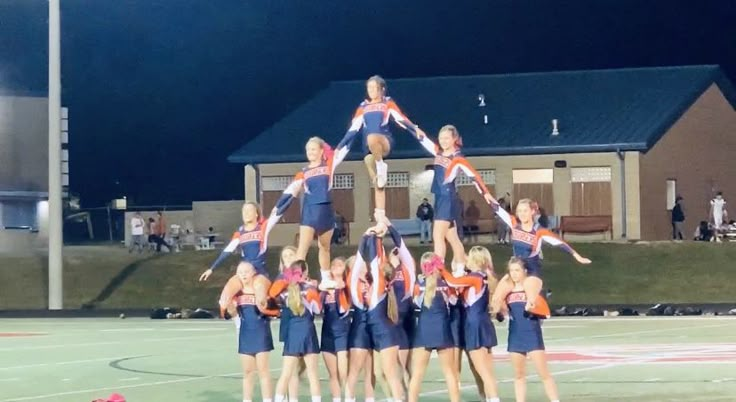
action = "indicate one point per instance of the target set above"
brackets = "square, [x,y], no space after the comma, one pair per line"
[162,313]
[201,313]
[628,312]
[657,309]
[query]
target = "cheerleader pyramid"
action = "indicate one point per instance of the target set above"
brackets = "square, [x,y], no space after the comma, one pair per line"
[381,320]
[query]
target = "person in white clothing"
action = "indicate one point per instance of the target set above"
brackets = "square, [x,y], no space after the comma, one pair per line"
[718,211]
[137,225]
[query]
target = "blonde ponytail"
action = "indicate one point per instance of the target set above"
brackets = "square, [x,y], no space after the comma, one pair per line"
[430,289]
[294,300]
[431,263]
[393,305]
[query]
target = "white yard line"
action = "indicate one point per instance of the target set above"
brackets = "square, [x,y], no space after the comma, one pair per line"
[101,359]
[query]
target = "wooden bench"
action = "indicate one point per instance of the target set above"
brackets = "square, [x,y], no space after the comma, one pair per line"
[586,224]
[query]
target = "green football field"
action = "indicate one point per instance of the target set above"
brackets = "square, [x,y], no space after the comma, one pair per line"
[592,359]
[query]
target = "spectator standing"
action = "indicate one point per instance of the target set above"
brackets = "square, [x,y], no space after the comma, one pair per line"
[137,226]
[678,219]
[158,231]
[425,213]
[718,210]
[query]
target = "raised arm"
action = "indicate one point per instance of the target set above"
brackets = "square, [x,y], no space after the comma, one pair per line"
[408,265]
[355,125]
[354,276]
[547,236]
[266,227]
[334,159]
[229,249]
[288,196]
[400,118]
[507,218]
[460,164]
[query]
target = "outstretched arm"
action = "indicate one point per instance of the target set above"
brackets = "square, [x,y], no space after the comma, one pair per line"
[355,125]
[507,218]
[547,236]
[461,164]
[465,281]
[335,159]
[403,121]
[288,196]
[229,249]
[266,226]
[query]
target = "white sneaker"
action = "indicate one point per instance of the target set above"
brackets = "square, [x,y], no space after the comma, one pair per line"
[381,174]
[381,180]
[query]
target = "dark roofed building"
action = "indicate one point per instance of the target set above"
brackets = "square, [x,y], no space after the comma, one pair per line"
[23,169]
[629,140]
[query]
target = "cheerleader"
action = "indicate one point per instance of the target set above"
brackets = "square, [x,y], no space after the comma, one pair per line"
[526,239]
[335,326]
[317,213]
[479,335]
[251,238]
[304,302]
[431,294]
[374,315]
[286,258]
[372,118]
[448,162]
[525,335]
[401,279]
[255,340]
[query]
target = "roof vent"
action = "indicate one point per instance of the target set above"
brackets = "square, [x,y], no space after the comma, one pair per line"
[555,130]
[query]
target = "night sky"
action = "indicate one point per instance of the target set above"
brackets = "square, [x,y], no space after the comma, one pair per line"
[161,91]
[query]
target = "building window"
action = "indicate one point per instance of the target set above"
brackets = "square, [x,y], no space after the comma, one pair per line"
[397,180]
[488,176]
[342,182]
[19,213]
[275,183]
[397,196]
[533,176]
[535,184]
[591,191]
[671,193]
[272,187]
[590,174]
